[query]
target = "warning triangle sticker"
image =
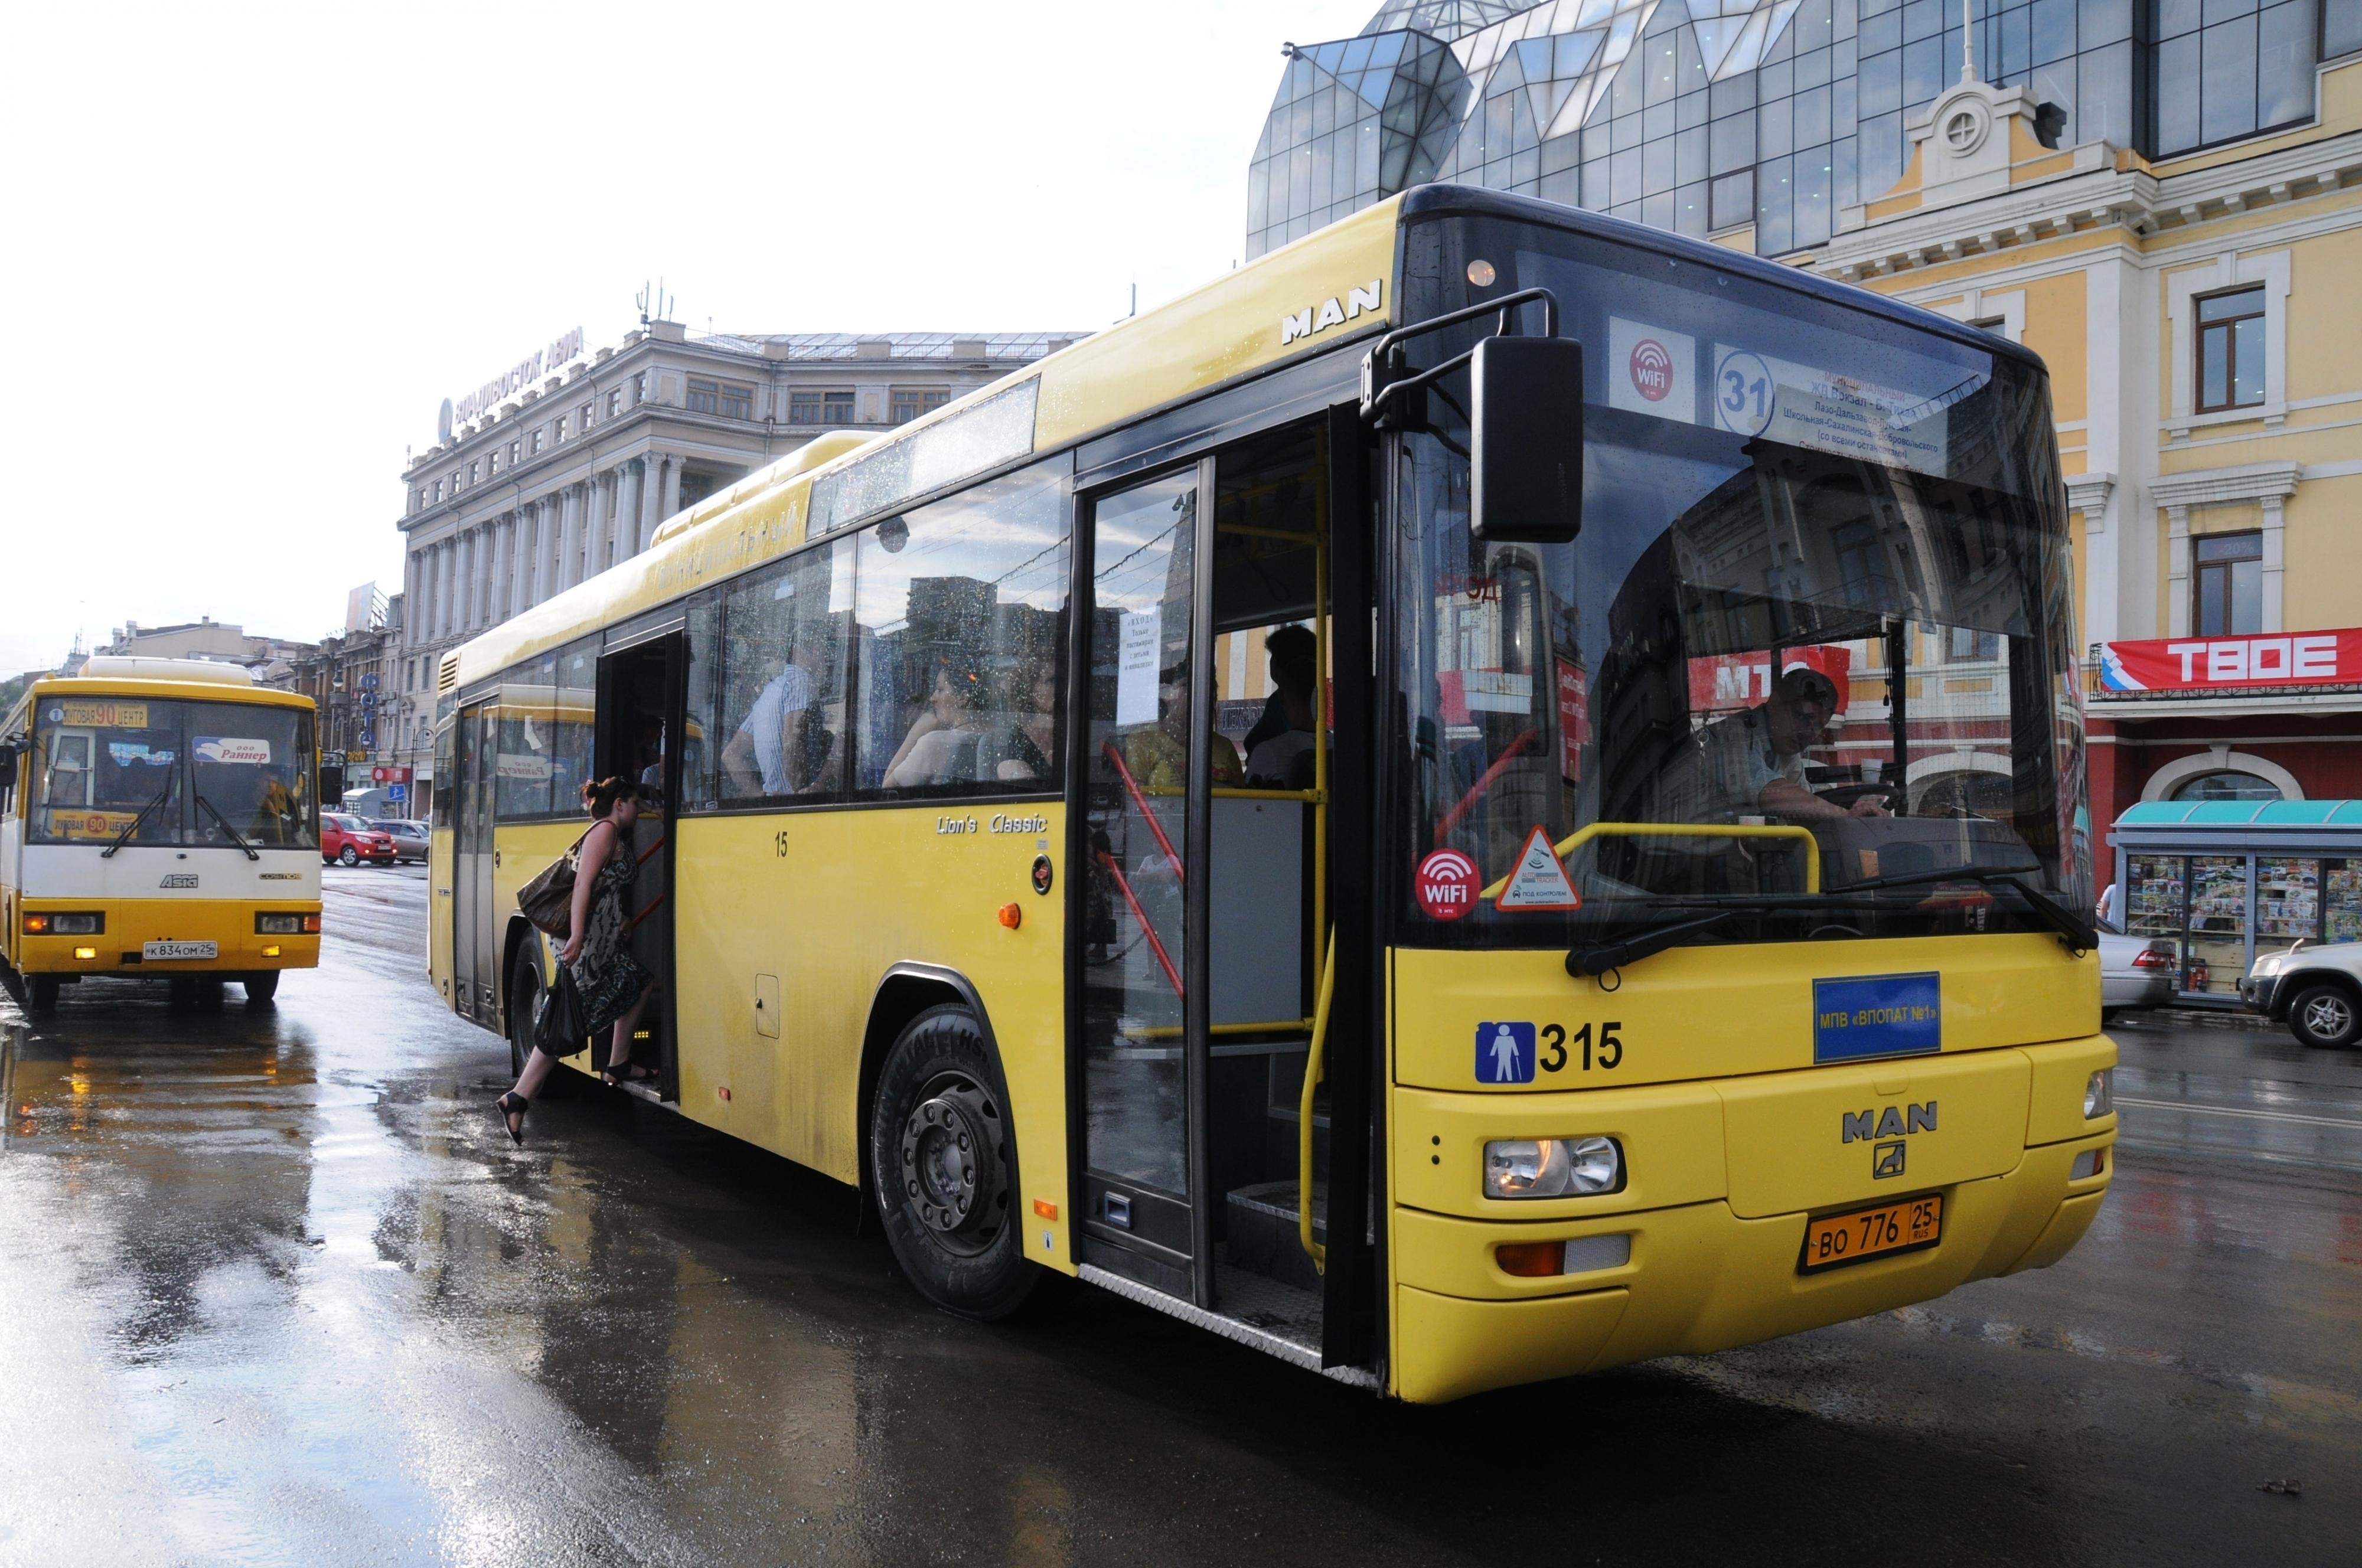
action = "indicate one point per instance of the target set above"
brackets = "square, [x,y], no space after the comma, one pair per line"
[1540,881]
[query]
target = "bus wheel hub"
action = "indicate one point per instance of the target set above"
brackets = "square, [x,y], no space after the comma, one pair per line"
[951,1159]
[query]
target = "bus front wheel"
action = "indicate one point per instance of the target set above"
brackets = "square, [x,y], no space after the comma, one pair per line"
[940,1153]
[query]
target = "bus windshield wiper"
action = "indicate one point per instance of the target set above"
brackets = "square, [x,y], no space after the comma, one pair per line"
[2078,934]
[234,838]
[1589,963]
[125,836]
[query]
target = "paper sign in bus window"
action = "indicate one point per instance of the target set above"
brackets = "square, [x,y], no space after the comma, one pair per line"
[1827,411]
[250,751]
[1540,881]
[1135,677]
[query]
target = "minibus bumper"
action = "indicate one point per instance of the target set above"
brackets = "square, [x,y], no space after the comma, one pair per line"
[122,946]
[1703,1264]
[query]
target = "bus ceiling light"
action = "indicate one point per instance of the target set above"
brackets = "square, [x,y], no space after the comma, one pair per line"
[1552,1167]
[2099,1094]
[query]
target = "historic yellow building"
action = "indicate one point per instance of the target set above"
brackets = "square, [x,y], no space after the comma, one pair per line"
[2202,316]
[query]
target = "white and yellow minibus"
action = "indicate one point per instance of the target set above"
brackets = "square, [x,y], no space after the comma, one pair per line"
[159,820]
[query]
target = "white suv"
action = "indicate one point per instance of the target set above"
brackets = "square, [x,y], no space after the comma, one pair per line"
[2316,991]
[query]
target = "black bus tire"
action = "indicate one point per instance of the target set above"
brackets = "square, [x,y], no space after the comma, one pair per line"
[41,992]
[942,1155]
[260,988]
[2324,1015]
[525,995]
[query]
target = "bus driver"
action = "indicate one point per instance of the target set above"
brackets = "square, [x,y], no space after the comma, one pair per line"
[1753,762]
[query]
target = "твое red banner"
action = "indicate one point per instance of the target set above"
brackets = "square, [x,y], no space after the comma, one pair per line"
[2222,664]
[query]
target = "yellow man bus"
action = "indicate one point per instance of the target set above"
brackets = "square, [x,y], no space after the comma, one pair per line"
[159,819]
[1493,795]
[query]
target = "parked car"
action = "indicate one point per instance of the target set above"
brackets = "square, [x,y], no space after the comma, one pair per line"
[409,837]
[2134,971]
[348,841]
[2316,991]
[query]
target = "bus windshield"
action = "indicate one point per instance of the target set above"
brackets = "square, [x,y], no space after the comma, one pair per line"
[1811,651]
[157,772]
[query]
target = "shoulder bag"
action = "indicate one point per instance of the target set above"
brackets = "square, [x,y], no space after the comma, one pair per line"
[548,900]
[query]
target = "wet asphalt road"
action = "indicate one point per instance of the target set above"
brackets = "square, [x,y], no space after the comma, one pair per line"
[274,1288]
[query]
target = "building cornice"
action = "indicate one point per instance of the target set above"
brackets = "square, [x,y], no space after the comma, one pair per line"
[2216,487]
[2093,197]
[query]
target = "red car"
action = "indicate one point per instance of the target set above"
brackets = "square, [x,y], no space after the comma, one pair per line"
[348,841]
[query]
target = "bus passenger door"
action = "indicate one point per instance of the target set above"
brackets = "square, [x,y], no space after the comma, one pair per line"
[473,975]
[641,696]
[1142,1033]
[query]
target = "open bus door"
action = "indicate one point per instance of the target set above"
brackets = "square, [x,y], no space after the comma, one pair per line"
[1207,744]
[642,690]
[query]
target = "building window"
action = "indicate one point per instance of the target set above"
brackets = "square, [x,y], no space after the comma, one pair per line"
[2228,785]
[2222,73]
[737,402]
[614,403]
[582,419]
[439,492]
[2231,350]
[535,439]
[704,397]
[1968,645]
[2341,27]
[471,473]
[561,430]
[639,389]
[2229,592]
[819,407]
[909,404]
[516,453]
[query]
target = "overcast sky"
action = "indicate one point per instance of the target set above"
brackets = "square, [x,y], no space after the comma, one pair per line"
[252,251]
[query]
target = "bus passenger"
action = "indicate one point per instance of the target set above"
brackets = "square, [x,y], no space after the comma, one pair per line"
[1283,760]
[1753,762]
[942,744]
[765,755]
[1026,747]
[1159,756]
[614,987]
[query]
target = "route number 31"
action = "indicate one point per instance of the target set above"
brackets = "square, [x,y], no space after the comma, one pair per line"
[1559,1048]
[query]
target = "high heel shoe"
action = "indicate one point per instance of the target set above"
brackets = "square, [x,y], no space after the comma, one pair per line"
[510,1109]
[630,1072]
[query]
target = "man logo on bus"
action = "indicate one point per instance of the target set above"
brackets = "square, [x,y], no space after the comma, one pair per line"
[1652,369]
[1447,885]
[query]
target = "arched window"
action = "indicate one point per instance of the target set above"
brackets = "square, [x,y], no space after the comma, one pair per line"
[2226,785]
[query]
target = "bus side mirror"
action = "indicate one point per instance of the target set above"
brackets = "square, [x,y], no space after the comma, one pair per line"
[1525,439]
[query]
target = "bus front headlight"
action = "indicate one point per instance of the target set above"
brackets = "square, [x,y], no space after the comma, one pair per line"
[1552,1167]
[2099,1094]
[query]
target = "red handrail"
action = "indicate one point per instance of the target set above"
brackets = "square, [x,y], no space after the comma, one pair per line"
[1131,784]
[1451,819]
[634,923]
[1124,887]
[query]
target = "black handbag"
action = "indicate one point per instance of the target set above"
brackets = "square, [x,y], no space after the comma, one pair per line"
[548,900]
[558,1026]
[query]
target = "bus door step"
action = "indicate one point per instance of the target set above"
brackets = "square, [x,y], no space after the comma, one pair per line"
[1263,1236]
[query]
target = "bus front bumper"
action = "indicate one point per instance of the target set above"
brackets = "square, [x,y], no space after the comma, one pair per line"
[1704,1248]
[123,945]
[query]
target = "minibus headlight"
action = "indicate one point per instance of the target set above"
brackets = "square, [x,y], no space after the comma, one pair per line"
[80,925]
[1552,1167]
[277,924]
[2099,1094]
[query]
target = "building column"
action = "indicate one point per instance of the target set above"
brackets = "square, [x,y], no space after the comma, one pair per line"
[671,497]
[410,605]
[2275,521]
[2177,571]
[520,558]
[569,530]
[444,567]
[595,501]
[651,499]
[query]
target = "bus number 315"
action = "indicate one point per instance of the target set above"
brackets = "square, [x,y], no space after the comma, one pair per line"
[1557,1047]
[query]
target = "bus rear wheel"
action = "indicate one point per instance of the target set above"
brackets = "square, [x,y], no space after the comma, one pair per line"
[524,996]
[943,1159]
[41,992]
[260,988]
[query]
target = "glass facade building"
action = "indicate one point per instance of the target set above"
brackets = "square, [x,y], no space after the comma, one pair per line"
[1702,116]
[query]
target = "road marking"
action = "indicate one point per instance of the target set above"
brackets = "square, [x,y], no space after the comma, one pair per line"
[2232,1110]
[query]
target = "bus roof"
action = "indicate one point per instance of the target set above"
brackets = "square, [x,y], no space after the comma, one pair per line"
[183,686]
[1280,306]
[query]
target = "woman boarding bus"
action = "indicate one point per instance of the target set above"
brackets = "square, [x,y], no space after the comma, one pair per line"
[1642,953]
[157,820]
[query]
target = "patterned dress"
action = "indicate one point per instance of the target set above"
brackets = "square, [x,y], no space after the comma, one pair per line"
[606,973]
